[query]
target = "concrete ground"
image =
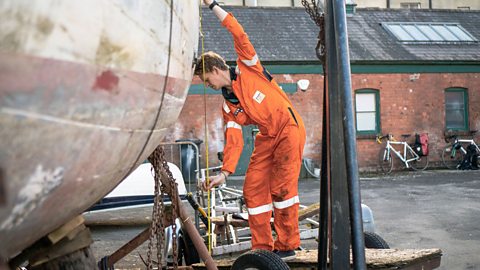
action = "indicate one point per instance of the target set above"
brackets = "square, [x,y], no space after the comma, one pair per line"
[431,209]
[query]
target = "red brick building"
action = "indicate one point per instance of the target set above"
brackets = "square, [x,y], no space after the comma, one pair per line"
[413,71]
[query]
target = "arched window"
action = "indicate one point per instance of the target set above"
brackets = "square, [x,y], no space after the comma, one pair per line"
[456,109]
[367,111]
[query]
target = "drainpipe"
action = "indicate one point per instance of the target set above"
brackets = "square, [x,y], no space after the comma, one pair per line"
[388,3]
[430,4]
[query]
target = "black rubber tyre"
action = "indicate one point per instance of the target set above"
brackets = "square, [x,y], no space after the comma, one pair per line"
[259,259]
[187,249]
[419,164]
[373,240]
[451,159]
[386,163]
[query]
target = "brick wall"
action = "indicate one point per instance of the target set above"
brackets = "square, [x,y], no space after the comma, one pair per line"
[409,104]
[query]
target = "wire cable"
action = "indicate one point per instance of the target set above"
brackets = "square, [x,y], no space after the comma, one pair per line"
[206,134]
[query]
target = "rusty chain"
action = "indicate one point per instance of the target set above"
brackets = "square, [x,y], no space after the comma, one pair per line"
[319,19]
[157,232]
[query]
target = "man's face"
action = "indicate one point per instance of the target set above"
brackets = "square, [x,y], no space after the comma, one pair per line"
[213,79]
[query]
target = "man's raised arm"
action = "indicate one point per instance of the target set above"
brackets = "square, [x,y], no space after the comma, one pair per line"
[217,10]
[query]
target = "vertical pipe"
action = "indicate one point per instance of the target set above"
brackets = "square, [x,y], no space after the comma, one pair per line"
[324,185]
[339,205]
[187,223]
[344,83]
[388,3]
[430,4]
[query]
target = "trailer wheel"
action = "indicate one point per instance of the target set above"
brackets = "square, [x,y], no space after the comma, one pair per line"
[373,240]
[259,259]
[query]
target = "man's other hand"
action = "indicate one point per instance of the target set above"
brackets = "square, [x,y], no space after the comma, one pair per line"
[215,181]
[207,2]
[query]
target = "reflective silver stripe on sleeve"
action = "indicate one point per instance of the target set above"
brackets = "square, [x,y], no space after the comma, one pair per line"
[260,209]
[225,107]
[231,124]
[252,62]
[237,70]
[286,203]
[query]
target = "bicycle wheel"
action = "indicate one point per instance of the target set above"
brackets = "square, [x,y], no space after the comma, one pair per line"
[386,160]
[420,164]
[451,157]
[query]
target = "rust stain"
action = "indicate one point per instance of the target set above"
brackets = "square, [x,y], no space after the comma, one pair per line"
[106,81]
[110,54]
[44,26]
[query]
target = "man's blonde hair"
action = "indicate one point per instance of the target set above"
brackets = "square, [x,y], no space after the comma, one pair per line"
[211,60]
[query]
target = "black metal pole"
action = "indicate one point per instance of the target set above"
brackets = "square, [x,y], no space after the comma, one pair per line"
[345,88]
[339,201]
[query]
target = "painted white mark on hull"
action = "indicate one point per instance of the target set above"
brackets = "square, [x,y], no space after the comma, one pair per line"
[33,194]
[49,118]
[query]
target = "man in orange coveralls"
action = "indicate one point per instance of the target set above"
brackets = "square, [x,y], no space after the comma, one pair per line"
[253,97]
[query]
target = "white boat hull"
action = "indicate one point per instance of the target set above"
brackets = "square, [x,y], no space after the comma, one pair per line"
[87,91]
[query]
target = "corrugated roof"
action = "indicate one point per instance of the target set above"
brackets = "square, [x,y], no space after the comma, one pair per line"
[284,34]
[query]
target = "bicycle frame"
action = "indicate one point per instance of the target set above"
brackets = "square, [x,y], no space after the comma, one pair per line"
[458,142]
[398,153]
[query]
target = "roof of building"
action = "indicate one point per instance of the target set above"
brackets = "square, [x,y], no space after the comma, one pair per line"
[286,34]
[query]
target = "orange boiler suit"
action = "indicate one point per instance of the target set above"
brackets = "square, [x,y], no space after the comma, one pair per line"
[271,180]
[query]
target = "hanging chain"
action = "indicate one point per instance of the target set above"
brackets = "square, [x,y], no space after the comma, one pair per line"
[157,232]
[319,19]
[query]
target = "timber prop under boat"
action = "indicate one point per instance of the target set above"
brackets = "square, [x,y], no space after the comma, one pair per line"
[87,91]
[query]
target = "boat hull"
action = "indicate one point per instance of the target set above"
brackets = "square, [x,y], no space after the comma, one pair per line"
[87,91]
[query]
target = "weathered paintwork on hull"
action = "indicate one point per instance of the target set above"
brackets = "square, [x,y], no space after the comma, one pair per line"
[87,91]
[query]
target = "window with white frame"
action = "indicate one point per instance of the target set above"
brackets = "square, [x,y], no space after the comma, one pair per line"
[367,111]
[456,109]
[429,32]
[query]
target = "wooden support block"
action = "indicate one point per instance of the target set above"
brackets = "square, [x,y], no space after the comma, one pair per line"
[82,240]
[411,259]
[64,230]
[76,231]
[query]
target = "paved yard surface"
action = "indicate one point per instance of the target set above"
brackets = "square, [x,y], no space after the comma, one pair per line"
[431,209]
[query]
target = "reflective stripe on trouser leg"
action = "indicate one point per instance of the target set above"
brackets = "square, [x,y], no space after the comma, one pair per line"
[256,192]
[284,186]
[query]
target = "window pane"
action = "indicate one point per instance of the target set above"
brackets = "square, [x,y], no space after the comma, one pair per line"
[430,33]
[454,99]
[455,109]
[444,32]
[413,30]
[365,102]
[366,121]
[398,31]
[459,33]
[455,119]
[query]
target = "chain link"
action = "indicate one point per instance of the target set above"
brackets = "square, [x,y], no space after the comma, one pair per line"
[157,232]
[319,19]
